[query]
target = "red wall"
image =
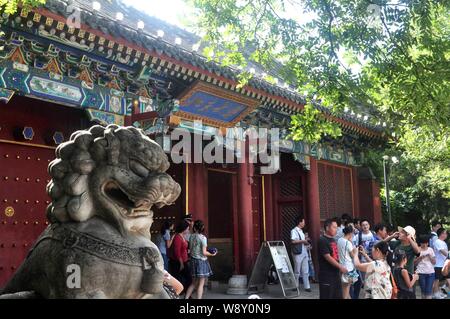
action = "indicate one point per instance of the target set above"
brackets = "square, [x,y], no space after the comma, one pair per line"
[220,205]
[369,200]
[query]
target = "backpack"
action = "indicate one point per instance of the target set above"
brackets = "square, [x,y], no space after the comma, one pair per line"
[297,249]
[272,277]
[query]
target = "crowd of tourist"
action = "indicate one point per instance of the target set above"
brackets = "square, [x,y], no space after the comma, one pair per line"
[185,254]
[355,260]
[384,263]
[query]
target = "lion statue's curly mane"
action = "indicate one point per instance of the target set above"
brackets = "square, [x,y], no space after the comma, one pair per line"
[105,181]
[116,173]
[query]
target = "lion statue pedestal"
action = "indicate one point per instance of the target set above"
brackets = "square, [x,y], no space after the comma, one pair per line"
[105,181]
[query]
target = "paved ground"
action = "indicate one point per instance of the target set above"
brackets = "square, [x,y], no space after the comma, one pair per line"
[271,292]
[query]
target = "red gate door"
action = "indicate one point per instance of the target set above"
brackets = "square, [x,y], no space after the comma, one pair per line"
[23,202]
[289,194]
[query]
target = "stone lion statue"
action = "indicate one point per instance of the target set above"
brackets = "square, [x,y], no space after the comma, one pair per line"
[105,181]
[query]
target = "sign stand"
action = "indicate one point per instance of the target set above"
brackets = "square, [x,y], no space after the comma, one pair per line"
[273,253]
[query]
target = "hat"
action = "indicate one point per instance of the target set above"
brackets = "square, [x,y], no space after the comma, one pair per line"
[409,230]
[188,216]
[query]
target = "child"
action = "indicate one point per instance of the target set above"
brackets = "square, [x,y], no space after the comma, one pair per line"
[425,267]
[404,280]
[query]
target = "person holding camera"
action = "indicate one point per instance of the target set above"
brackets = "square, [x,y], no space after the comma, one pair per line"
[425,267]
[200,268]
[299,247]
[377,284]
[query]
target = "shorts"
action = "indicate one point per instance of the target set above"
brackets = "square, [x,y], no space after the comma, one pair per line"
[438,273]
[350,277]
[200,268]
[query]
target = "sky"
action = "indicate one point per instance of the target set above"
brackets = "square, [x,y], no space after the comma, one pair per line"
[177,12]
[171,11]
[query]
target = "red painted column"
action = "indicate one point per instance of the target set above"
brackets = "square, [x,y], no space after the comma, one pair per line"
[199,193]
[276,210]
[376,202]
[313,207]
[268,207]
[245,217]
[189,176]
[128,121]
[236,237]
[197,186]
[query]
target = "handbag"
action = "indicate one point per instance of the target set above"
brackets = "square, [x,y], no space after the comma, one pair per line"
[297,249]
[394,288]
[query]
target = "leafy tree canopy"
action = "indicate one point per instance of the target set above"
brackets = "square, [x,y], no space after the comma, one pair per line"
[387,58]
[11,6]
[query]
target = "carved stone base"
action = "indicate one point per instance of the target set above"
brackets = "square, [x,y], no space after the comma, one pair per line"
[237,285]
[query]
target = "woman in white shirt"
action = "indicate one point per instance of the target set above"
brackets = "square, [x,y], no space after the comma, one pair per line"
[345,248]
[425,267]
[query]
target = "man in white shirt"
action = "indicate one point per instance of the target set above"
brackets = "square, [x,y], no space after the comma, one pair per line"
[365,238]
[441,252]
[300,253]
[435,225]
